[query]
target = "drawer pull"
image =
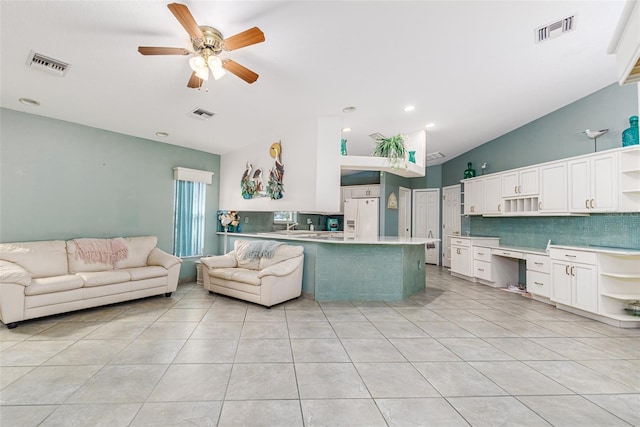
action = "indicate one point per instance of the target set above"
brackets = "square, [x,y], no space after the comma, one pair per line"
[506,253]
[538,263]
[570,256]
[539,284]
[480,253]
[481,269]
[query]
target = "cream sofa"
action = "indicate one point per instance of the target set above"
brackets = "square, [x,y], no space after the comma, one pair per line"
[50,277]
[263,280]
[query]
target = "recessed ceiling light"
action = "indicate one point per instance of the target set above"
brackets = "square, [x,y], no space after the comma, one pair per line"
[346,129]
[28,101]
[162,134]
[429,125]
[409,108]
[348,109]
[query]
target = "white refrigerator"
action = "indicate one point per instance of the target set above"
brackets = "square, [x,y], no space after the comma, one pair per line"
[361,218]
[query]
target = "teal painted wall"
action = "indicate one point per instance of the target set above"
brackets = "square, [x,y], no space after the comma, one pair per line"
[60,180]
[555,136]
[432,178]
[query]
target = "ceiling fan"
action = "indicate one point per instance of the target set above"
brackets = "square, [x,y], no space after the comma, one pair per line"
[207,44]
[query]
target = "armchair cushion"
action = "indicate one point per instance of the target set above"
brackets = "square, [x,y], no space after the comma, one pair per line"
[221,261]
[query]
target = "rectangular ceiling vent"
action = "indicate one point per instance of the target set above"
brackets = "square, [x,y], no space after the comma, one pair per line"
[555,29]
[201,113]
[45,63]
[434,156]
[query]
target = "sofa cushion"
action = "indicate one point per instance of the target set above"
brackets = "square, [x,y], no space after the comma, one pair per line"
[139,250]
[141,273]
[99,278]
[40,259]
[47,285]
[11,272]
[242,275]
[283,253]
[241,248]
[77,264]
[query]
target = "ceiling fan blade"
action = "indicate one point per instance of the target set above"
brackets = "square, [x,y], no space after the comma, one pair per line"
[151,50]
[195,82]
[244,73]
[246,38]
[182,14]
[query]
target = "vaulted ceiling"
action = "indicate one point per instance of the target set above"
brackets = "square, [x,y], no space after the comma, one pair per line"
[473,68]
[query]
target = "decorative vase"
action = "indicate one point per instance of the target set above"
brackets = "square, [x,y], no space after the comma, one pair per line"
[412,156]
[630,136]
[343,147]
[470,172]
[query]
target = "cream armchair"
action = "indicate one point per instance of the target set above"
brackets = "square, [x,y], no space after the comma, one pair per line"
[249,274]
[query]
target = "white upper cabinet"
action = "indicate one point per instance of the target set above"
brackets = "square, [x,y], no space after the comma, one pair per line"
[520,182]
[553,188]
[474,196]
[493,194]
[593,183]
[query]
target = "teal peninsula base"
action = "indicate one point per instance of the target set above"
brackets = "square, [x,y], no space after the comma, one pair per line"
[338,270]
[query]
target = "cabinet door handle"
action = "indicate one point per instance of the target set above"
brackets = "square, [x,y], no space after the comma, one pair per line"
[539,284]
[539,206]
[586,203]
[573,269]
[500,207]
[591,203]
[515,189]
[566,270]
[519,189]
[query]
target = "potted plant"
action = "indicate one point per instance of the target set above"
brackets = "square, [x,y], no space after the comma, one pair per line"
[392,148]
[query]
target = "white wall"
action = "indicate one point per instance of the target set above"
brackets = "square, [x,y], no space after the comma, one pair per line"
[299,159]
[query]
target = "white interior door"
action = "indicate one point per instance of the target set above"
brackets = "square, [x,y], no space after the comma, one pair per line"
[404,212]
[450,220]
[426,220]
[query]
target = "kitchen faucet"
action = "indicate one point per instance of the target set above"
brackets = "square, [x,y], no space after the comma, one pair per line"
[291,225]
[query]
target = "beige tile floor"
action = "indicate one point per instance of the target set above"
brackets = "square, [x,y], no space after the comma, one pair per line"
[457,354]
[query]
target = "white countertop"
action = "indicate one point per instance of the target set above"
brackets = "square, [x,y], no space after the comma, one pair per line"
[601,249]
[334,237]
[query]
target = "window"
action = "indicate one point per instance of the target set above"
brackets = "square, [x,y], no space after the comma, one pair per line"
[189,211]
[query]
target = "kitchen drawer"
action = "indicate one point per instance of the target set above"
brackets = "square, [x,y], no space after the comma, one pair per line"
[540,263]
[482,270]
[539,283]
[571,256]
[508,253]
[456,241]
[481,254]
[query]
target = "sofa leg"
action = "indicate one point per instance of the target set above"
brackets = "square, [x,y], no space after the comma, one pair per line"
[167,294]
[12,325]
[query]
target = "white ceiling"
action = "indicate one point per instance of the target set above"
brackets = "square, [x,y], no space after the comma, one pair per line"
[470,67]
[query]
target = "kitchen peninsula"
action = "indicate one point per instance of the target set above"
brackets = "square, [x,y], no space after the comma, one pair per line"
[385,268]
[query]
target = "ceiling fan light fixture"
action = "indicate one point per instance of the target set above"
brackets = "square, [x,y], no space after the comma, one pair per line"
[203,73]
[218,72]
[215,64]
[197,63]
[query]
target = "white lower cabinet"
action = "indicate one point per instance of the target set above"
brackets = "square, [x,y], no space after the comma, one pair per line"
[574,275]
[461,260]
[539,275]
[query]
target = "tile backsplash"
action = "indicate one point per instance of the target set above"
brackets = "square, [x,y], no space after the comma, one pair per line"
[616,230]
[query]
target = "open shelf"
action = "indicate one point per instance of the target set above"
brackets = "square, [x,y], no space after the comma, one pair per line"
[624,297]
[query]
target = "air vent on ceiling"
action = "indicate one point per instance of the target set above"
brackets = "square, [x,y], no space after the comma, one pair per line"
[45,63]
[555,29]
[434,156]
[377,136]
[200,113]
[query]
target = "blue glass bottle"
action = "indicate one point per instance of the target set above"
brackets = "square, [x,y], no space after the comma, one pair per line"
[630,136]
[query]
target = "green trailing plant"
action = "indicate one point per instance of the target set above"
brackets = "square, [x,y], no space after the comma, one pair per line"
[392,148]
